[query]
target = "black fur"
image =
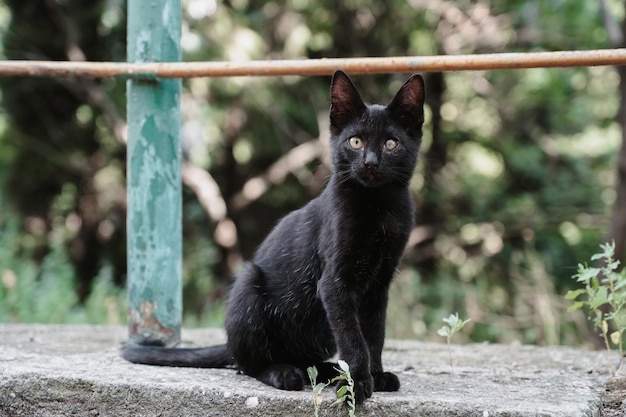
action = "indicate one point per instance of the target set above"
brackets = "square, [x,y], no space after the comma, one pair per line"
[318,284]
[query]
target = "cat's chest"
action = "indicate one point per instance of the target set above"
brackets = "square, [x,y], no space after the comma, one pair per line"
[375,227]
[367,219]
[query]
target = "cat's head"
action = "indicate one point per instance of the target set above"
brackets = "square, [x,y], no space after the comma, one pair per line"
[375,145]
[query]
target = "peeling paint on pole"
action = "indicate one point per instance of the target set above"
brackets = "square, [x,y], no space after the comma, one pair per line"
[154,177]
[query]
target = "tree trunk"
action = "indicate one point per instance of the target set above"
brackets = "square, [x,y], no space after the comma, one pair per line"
[617,232]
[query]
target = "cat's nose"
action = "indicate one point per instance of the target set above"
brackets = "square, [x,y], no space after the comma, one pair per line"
[371,160]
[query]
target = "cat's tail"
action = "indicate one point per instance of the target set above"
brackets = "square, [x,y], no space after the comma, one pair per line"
[206,357]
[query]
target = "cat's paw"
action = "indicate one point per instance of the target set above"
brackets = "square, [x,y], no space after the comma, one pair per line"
[386,382]
[284,377]
[363,389]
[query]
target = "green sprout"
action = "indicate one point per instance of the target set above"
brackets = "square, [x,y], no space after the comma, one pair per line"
[453,324]
[317,389]
[345,394]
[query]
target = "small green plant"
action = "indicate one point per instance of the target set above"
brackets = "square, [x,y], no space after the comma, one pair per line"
[317,389]
[453,324]
[345,394]
[604,296]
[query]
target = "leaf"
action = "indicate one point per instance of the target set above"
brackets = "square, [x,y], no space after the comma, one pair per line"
[342,391]
[337,378]
[587,274]
[616,337]
[598,256]
[608,251]
[317,389]
[599,298]
[312,371]
[613,265]
[444,331]
[620,281]
[573,294]
[344,366]
[459,325]
[452,320]
[340,400]
[576,306]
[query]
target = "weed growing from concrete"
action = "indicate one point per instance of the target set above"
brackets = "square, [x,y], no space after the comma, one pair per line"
[604,296]
[345,394]
[453,324]
[317,389]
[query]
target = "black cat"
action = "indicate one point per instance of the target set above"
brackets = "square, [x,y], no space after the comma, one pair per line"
[319,283]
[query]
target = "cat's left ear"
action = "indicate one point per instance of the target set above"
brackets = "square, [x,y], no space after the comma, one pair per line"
[407,107]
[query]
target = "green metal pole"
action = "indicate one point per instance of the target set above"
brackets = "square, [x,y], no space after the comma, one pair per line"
[154,221]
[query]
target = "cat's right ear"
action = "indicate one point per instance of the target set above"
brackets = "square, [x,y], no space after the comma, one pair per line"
[345,102]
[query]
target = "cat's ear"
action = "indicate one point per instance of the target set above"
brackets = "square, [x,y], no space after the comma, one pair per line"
[345,101]
[407,107]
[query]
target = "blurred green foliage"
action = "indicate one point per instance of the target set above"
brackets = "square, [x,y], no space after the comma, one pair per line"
[45,292]
[515,186]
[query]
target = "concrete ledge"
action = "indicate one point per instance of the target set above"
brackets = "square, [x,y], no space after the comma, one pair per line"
[50,371]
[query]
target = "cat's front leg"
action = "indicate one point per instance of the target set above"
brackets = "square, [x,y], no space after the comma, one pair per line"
[341,311]
[372,314]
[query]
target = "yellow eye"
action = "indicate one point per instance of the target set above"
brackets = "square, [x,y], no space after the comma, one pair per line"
[391,144]
[355,142]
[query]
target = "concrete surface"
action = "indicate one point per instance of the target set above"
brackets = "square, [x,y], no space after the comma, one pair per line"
[48,371]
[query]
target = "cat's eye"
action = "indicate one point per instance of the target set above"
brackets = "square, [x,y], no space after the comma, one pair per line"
[391,144]
[355,142]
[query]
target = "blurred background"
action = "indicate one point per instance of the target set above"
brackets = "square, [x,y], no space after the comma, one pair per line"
[518,180]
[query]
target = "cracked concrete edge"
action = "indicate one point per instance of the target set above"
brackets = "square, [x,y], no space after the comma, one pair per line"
[50,371]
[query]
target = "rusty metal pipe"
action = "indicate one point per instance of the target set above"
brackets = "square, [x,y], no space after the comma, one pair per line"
[323,66]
